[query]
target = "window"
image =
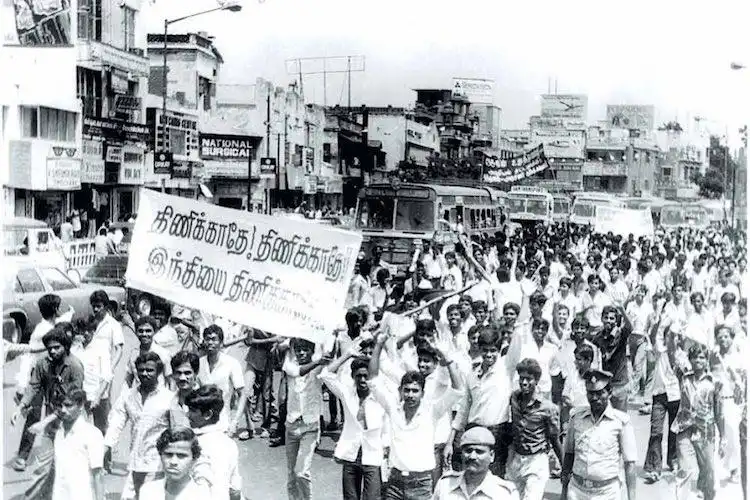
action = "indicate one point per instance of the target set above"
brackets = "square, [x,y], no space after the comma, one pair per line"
[57,124]
[128,26]
[57,280]
[327,152]
[90,20]
[29,121]
[30,281]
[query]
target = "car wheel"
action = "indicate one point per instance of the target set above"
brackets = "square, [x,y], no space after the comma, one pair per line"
[143,305]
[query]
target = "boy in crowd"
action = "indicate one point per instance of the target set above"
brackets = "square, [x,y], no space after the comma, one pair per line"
[218,464]
[145,329]
[178,451]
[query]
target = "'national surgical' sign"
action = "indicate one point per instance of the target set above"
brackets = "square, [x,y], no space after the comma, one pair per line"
[279,275]
[225,147]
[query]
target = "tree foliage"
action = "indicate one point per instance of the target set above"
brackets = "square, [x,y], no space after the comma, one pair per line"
[439,168]
[714,182]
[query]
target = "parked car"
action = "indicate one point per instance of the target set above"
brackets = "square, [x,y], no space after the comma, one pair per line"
[25,281]
[33,239]
[110,271]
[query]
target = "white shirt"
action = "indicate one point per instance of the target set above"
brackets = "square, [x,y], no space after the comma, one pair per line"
[700,328]
[304,397]
[452,279]
[156,490]
[227,375]
[219,461]
[599,301]
[27,360]
[638,316]
[77,454]
[168,338]
[96,371]
[412,447]
[509,292]
[618,292]
[353,436]
[545,356]
[107,336]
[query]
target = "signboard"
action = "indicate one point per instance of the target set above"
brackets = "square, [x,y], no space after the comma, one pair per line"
[280,275]
[126,103]
[64,174]
[131,171]
[546,122]
[92,168]
[163,162]
[519,167]
[624,221]
[630,116]
[560,143]
[19,159]
[181,169]
[475,90]
[225,147]
[564,106]
[268,167]
[114,154]
[115,129]
[37,24]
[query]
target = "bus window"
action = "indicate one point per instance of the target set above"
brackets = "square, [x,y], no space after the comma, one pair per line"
[375,213]
[415,215]
[515,205]
[537,207]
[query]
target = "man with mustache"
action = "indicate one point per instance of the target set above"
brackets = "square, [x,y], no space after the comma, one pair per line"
[475,481]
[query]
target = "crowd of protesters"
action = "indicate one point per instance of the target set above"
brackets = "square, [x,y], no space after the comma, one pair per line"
[483,371]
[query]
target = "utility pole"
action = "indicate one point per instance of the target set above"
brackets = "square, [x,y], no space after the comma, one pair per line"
[302,66]
[349,79]
[365,157]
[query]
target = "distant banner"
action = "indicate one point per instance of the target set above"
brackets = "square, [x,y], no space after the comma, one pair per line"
[283,276]
[624,221]
[499,170]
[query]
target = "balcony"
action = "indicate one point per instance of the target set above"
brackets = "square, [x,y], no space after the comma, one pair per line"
[596,168]
[96,55]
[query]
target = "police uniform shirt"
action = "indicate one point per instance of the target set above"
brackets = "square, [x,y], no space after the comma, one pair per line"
[598,445]
[453,487]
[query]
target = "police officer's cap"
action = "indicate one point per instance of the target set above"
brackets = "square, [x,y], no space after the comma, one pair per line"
[596,380]
[478,435]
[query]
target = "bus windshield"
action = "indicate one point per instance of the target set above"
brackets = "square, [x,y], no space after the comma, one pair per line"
[411,215]
[536,206]
[671,216]
[561,206]
[515,205]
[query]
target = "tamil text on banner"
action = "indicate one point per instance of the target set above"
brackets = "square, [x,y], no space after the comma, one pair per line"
[624,221]
[499,170]
[283,276]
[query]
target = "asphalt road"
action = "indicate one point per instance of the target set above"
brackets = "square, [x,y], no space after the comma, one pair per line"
[263,469]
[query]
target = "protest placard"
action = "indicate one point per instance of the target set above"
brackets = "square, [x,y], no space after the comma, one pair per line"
[283,276]
[624,221]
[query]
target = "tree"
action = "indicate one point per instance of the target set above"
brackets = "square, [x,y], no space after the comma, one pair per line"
[714,182]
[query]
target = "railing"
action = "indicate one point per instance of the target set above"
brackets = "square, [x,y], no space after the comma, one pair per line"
[80,255]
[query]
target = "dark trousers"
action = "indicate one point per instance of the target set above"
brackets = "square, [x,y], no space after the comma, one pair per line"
[27,438]
[263,391]
[660,408]
[414,486]
[503,439]
[360,482]
[281,425]
[100,415]
[437,472]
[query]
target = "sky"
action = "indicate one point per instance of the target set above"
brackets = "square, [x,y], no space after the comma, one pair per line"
[659,52]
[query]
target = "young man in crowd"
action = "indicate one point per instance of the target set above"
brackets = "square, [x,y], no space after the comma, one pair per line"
[185,366]
[361,446]
[599,439]
[178,450]
[477,447]
[218,464]
[79,449]
[535,424]
[413,425]
[224,371]
[146,408]
[612,341]
[96,374]
[145,329]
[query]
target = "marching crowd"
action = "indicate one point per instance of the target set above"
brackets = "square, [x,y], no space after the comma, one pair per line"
[483,373]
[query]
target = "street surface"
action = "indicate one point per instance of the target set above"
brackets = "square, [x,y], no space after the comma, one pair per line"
[263,469]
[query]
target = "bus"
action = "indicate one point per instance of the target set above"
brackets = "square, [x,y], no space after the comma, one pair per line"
[529,204]
[585,203]
[684,214]
[393,216]
[653,204]
[560,207]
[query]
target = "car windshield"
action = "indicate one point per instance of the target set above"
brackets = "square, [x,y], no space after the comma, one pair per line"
[109,267]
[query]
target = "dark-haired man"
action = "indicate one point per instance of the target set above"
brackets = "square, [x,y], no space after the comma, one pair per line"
[224,371]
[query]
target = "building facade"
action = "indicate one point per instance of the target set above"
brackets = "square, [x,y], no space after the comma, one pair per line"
[453,115]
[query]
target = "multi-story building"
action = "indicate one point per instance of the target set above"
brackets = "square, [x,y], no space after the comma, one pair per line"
[683,155]
[453,116]
[77,141]
[488,131]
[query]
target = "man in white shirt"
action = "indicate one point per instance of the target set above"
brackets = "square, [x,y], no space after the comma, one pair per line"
[304,406]
[145,328]
[360,448]
[107,337]
[224,371]
[218,464]
[617,290]
[96,371]
[594,302]
[640,312]
[413,423]
[166,337]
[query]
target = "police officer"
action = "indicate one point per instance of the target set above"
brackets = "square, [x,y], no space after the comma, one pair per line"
[597,437]
[475,482]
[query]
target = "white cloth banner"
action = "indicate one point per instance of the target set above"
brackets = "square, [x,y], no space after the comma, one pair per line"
[624,221]
[283,276]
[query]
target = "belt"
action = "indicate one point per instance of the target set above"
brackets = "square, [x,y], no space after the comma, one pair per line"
[591,483]
[415,475]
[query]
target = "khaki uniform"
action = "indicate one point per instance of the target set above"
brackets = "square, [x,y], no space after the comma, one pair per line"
[453,487]
[597,447]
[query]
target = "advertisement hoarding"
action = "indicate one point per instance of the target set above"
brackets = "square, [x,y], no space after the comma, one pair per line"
[565,106]
[560,143]
[36,24]
[475,90]
[225,147]
[633,117]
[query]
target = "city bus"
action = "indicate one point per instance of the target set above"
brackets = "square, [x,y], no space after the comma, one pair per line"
[529,204]
[684,214]
[560,207]
[393,216]
[653,204]
[585,203]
